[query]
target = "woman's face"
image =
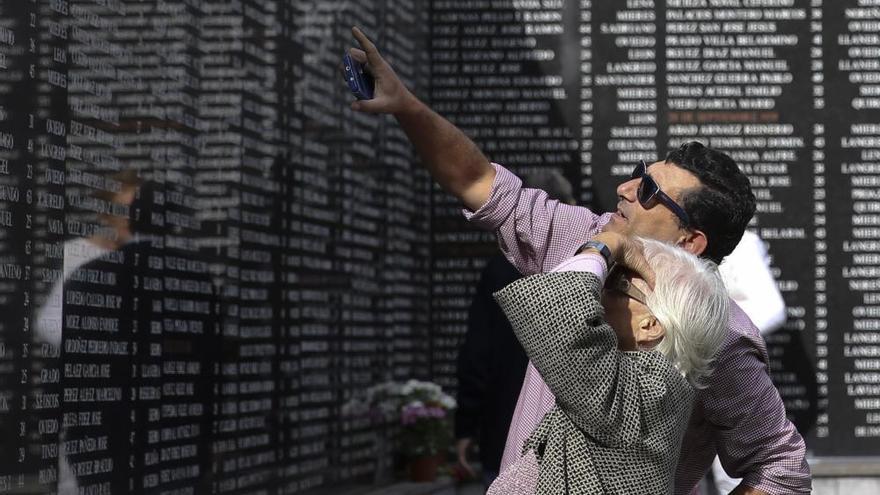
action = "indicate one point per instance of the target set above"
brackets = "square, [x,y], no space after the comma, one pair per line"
[625,310]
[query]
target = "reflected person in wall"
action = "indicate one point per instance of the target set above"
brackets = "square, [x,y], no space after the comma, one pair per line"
[110,233]
[110,301]
[115,231]
[491,362]
[696,198]
[623,362]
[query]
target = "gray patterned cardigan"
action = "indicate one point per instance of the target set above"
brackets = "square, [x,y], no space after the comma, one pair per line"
[620,416]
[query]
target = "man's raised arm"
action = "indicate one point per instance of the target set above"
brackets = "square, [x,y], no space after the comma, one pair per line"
[452,159]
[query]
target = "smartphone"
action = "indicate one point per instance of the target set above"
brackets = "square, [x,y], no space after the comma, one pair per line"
[359,80]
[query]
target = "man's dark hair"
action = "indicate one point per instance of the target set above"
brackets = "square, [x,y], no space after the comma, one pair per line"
[723,207]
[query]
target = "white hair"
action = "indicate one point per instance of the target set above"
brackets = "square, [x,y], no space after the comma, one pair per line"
[691,303]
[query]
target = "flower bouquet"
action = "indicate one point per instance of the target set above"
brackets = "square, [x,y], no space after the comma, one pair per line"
[421,412]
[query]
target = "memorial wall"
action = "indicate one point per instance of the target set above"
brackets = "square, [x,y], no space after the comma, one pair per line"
[789,88]
[204,253]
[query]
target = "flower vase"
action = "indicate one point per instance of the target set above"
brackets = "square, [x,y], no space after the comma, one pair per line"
[424,468]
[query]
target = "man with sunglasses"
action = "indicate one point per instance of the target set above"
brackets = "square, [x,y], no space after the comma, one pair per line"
[696,198]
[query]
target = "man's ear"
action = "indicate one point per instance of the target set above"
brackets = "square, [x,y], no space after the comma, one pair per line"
[693,241]
[649,333]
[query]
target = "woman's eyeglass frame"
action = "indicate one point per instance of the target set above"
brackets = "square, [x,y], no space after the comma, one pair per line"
[618,280]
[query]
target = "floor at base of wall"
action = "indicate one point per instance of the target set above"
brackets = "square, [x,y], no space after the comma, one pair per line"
[846,486]
[464,489]
[821,486]
[443,486]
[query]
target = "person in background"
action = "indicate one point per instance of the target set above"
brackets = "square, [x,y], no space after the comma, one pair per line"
[749,282]
[491,361]
[746,273]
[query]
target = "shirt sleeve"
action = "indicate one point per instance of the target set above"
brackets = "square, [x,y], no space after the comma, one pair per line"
[754,439]
[535,232]
[586,262]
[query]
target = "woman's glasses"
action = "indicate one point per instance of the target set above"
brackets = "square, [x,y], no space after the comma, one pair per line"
[618,281]
[649,191]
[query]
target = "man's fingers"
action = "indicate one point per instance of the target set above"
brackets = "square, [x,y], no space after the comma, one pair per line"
[370,50]
[365,42]
[368,106]
[358,54]
[634,259]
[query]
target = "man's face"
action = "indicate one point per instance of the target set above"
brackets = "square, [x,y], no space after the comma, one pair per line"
[657,221]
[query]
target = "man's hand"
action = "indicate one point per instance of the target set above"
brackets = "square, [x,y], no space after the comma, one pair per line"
[628,252]
[390,95]
[615,227]
[452,159]
[461,447]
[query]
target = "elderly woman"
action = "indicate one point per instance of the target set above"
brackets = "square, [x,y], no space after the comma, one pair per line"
[623,363]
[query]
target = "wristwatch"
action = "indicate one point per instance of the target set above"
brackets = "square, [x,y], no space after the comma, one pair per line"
[598,246]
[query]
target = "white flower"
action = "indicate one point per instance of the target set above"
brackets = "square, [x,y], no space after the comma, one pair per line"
[353,407]
[409,387]
[429,387]
[448,402]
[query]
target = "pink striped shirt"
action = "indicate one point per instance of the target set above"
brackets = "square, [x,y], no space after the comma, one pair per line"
[740,415]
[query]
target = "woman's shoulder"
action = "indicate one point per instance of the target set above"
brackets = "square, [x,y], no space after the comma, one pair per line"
[563,282]
[656,371]
[561,293]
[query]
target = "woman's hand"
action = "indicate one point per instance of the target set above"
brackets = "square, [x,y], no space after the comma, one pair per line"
[628,252]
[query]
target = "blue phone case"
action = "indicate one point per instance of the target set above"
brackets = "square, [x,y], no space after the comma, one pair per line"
[359,81]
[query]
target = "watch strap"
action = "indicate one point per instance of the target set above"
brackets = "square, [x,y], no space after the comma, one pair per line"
[598,246]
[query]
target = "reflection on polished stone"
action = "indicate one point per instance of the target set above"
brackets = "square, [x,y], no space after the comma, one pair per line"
[204,253]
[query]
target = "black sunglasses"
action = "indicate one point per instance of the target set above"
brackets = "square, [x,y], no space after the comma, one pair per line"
[649,190]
